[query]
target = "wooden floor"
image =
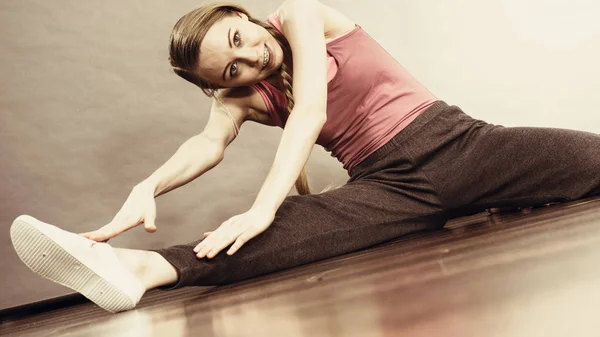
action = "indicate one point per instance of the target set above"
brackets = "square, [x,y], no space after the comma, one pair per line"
[504,275]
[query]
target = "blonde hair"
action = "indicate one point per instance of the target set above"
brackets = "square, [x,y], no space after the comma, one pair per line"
[184,48]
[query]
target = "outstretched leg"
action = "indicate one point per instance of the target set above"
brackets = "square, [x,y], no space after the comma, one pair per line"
[488,166]
[379,207]
[386,199]
[522,167]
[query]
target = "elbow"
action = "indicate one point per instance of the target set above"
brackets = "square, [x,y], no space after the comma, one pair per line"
[214,163]
[213,149]
[322,119]
[218,155]
[319,118]
[215,159]
[320,114]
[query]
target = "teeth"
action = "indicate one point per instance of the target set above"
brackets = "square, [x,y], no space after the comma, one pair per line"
[266,57]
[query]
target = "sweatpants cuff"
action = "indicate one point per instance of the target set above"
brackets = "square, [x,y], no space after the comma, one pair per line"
[173,261]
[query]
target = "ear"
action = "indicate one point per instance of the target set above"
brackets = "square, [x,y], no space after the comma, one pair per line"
[242,15]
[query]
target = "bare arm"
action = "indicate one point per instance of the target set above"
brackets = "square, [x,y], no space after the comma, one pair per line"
[193,158]
[202,152]
[303,26]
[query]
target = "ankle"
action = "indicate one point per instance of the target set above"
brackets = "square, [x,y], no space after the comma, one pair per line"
[163,273]
[133,260]
[148,266]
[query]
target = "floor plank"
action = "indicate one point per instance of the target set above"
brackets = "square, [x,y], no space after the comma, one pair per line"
[503,275]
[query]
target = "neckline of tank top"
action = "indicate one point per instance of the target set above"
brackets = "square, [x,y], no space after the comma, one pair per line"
[273,21]
[336,39]
[343,36]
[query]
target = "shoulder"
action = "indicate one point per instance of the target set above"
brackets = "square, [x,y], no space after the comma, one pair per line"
[335,22]
[289,7]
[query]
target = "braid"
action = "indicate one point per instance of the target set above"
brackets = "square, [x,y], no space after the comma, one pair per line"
[287,86]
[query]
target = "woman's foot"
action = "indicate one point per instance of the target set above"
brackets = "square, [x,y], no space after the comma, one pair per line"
[88,267]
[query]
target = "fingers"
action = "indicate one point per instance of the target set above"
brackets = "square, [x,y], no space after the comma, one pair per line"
[115,228]
[235,232]
[239,243]
[149,224]
[88,235]
[139,207]
[101,235]
[215,243]
[202,249]
[221,237]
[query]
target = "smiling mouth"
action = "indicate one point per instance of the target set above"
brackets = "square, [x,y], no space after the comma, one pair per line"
[266,57]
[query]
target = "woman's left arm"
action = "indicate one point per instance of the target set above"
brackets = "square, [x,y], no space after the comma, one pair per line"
[303,26]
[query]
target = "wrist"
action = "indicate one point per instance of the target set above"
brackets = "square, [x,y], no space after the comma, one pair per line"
[150,185]
[262,207]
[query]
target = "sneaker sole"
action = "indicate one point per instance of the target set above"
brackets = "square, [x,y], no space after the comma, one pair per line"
[49,260]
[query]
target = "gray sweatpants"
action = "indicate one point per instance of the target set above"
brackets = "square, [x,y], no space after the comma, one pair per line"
[443,164]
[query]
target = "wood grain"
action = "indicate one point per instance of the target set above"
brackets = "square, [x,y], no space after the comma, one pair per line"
[509,274]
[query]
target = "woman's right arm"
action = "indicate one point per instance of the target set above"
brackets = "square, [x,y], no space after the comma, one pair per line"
[196,156]
[202,152]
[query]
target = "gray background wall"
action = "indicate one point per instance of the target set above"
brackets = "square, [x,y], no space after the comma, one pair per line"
[88,106]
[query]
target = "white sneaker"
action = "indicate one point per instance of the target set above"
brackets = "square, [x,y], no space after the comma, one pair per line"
[88,267]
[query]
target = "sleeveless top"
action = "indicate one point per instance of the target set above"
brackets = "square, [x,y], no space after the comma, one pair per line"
[370,97]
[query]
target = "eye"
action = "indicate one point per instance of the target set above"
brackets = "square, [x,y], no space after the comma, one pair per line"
[233,69]
[237,39]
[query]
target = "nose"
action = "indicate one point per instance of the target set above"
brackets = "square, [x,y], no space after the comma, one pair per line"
[250,55]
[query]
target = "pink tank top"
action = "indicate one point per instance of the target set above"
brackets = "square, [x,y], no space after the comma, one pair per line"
[370,97]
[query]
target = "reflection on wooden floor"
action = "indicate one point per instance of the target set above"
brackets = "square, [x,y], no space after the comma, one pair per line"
[503,275]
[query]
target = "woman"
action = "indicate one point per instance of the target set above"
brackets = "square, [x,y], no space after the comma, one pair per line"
[413,160]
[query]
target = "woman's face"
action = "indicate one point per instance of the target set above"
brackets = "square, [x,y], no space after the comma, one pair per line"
[236,52]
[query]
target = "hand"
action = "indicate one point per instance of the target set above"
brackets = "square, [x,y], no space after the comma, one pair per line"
[237,230]
[139,207]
